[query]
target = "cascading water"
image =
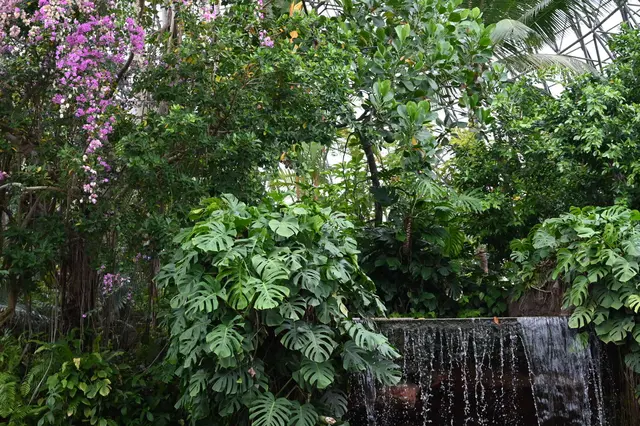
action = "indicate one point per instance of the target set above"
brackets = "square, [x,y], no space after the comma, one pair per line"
[530,371]
[565,373]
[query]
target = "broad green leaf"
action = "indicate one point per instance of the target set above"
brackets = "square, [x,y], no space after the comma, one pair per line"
[596,274]
[293,309]
[581,317]
[205,298]
[335,403]
[214,238]
[624,270]
[633,303]
[585,231]
[636,333]
[270,270]
[198,383]
[403,32]
[564,262]
[317,374]
[230,382]
[287,227]
[353,357]
[542,238]
[292,334]
[308,279]
[633,361]
[303,415]
[579,290]
[240,285]
[268,294]
[224,340]
[318,343]
[386,372]
[364,338]
[266,410]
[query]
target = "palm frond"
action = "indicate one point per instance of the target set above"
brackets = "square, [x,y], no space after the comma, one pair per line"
[513,31]
[536,61]
[523,26]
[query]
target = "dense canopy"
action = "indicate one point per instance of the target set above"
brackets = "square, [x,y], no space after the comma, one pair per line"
[203,204]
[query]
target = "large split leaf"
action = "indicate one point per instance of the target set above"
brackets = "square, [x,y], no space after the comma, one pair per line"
[266,410]
[317,374]
[224,340]
[303,415]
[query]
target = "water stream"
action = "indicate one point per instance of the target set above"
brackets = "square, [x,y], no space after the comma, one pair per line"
[529,371]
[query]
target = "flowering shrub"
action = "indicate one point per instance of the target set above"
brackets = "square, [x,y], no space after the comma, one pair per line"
[88,47]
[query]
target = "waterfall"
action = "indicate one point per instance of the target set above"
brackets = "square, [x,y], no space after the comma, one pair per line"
[477,372]
[564,371]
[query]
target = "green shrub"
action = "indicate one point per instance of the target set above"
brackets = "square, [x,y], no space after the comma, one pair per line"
[58,384]
[595,252]
[262,328]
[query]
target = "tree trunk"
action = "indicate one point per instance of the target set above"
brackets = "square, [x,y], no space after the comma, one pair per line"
[375,179]
[7,314]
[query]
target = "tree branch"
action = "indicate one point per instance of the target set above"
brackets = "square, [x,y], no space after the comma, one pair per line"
[127,64]
[30,188]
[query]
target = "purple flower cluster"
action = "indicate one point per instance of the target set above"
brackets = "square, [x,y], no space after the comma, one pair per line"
[3,175]
[265,40]
[114,282]
[90,49]
[260,10]
[141,256]
[209,13]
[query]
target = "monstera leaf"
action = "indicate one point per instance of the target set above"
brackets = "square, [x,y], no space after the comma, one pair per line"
[214,238]
[353,357]
[230,382]
[335,402]
[633,361]
[268,295]
[579,290]
[318,343]
[308,279]
[224,340]
[317,374]
[386,372]
[292,334]
[293,309]
[240,290]
[633,303]
[287,227]
[206,296]
[624,270]
[581,316]
[636,333]
[270,270]
[303,415]
[269,411]
[364,338]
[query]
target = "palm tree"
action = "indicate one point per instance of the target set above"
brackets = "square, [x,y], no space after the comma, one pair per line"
[524,26]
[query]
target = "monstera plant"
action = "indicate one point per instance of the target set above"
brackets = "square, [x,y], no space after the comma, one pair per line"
[595,252]
[263,328]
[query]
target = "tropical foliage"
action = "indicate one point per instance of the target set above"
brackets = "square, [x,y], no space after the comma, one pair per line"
[374,155]
[593,253]
[263,322]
